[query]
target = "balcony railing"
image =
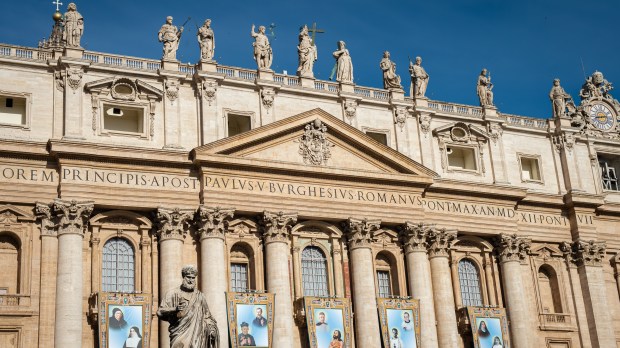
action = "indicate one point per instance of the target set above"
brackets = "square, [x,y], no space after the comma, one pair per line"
[456,109]
[529,122]
[555,319]
[13,300]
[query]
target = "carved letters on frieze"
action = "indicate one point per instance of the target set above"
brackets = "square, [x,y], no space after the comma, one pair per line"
[277,226]
[173,223]
[314,146]
[360,233]
[512,248]
[213,222]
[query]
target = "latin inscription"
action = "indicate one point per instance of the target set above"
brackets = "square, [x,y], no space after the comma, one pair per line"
[138,180]
[349,195]
[27,175]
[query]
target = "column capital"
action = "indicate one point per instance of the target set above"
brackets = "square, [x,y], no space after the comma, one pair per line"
[173,223]
[276,227]
[213,222]
[72,216]
[43,212]
[440,242]
[512,248]
[360,232]
[414,236]
[582,252]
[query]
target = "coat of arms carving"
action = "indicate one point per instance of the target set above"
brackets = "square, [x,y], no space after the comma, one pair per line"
[314,146]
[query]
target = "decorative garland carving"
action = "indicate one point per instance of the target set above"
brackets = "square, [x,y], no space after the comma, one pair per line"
[209,89]
[172,90]
[400,116]
[268,95]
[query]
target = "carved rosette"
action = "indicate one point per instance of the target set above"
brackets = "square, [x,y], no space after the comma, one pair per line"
[213,222]
[43,212]
[512,248]
[360,233]
[400,116]
[72,216]
[314,146]
[440,241]
[173,223]
[276,227]
[74,78]
[581,252]
[415,236]
[268,95]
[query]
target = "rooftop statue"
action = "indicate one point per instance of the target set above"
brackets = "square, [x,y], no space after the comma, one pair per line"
[484,88]
[74,26]
[344,67]
[206,40]
[169,35]
[307,54]
[596,87]
[186,309]
[419,78]
[560,100]
[263,55]
[391,81]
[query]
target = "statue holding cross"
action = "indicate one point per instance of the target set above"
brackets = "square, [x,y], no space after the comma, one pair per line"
[307,54]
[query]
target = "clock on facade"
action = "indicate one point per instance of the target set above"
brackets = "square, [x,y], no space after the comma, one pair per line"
[601,116]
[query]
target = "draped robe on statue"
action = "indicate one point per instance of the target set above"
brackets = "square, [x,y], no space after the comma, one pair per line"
[193,327]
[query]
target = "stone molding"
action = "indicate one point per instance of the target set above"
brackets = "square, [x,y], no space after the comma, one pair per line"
[360,233]
[512,248]
[43,212]
[582,252]
[415,236]
[276,227]
[440,242]
[173,223]
[72,216]
[213,222]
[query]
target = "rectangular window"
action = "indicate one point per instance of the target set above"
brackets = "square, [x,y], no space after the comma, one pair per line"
[13,110]
[530,169]
[610,165]
[239,277]
[238,124]
[384,282]
[123,119]
[380,137]
[463,158]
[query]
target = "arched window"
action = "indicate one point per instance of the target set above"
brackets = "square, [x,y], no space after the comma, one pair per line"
[314,272]
[240,268]
[549,290]
[387,275]
[469,279]
[9,259]
[118,273]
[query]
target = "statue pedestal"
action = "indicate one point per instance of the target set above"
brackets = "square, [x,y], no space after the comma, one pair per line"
[489,112]
[73,52]
[172,65]
[265,74]
[347,87]
[307,82]
[397,94]
[207,66]
[421,102]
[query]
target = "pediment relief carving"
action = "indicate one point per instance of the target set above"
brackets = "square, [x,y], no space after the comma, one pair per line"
[122,88]
[242,227]
[461,132]
[546,251]
[12,215]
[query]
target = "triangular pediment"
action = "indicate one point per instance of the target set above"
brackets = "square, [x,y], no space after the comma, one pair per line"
[312,141]
[124,88]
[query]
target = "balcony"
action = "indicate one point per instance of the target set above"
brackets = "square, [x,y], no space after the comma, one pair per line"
[557,322]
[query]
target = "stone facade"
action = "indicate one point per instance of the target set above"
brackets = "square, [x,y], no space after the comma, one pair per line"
[216,165]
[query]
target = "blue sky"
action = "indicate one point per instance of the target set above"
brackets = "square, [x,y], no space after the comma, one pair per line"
[525,44]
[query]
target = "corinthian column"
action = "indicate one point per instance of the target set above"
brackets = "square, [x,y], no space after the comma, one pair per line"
[276,228]
[172,227]
[440,242]
[513,250]
[49,256]
[72,217]
[589,256]
[415,240]
[359,235]
[212,224]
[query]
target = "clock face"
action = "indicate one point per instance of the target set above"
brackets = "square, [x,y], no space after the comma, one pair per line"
[601,116]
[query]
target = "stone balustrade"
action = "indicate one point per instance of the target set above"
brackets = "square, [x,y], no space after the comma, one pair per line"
[12,300]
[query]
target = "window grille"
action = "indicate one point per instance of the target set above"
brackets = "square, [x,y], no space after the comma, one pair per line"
[470,283]
[384,281]
[314,272]
[118,274]
[239,277]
